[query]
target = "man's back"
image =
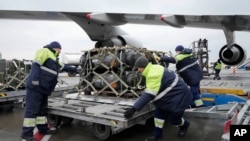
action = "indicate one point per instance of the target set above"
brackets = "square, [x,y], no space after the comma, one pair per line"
[189,69]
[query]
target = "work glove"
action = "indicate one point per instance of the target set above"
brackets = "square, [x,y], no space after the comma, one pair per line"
[79,70]
[157,57]
[129,112]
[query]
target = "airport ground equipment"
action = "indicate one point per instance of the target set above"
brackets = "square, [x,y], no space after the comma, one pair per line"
[108,84]
[200,51]
[222,111]
[13,74]
[240,88]
[106,114]
[9,98]
[235,112]
[245,65]
[242,117]
[211,99]
[12,83]
[12,77]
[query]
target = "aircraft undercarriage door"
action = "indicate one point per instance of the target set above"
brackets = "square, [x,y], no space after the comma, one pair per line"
[233,56]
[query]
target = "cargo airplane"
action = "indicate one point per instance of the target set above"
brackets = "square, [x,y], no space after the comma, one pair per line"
[103,27]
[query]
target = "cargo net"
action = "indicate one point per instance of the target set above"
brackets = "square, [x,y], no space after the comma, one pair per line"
[13,74]
[110,71]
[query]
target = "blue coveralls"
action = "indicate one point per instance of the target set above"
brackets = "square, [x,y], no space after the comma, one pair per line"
[191,73]
[40,82]
[172,105]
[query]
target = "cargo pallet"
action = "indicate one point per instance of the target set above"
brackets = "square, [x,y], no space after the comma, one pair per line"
[105,113]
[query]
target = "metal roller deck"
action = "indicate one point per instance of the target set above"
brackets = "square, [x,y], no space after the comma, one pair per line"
[107,112]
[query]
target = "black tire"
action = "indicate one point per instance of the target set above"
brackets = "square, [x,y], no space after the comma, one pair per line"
[54,120]
[66,120]
[7,106]
[102,132]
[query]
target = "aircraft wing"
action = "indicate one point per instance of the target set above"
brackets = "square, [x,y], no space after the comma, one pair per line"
[104,27]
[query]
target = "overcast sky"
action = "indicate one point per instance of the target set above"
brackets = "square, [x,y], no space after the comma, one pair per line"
[20,39]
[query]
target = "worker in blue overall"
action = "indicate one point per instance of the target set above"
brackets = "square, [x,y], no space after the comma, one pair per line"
[188,68]
[169,94]
[40,83]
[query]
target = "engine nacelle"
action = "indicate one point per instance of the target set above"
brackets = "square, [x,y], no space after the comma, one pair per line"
[119,41]
[234,56]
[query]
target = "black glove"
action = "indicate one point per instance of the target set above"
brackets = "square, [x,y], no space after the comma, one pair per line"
[129,112]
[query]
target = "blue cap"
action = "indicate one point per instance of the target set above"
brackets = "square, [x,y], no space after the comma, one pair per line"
[55,44]
[179,48]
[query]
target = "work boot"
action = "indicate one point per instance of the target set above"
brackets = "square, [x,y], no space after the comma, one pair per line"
[183,129]
[153,138]
[191,106]
[28,139]
[49,132]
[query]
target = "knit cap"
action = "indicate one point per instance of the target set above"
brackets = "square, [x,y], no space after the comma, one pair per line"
[179,48]
[55,44]
[141,62]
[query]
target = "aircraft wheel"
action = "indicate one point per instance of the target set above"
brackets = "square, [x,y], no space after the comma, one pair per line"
[102,132]
[54,120]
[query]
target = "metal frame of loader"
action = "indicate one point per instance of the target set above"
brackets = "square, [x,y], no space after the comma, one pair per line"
[11,98]
[105,113]
[13,74]
[12,77]
[242,117]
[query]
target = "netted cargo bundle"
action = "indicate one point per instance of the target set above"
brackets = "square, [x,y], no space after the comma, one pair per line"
[13,74]
[110,71]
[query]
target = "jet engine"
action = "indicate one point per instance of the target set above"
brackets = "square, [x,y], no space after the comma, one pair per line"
[121,40]
[232,56]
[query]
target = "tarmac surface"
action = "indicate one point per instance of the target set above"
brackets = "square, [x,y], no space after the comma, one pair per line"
[201,129]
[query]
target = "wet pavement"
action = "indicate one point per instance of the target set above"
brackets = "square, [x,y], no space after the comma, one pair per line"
[201,129]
